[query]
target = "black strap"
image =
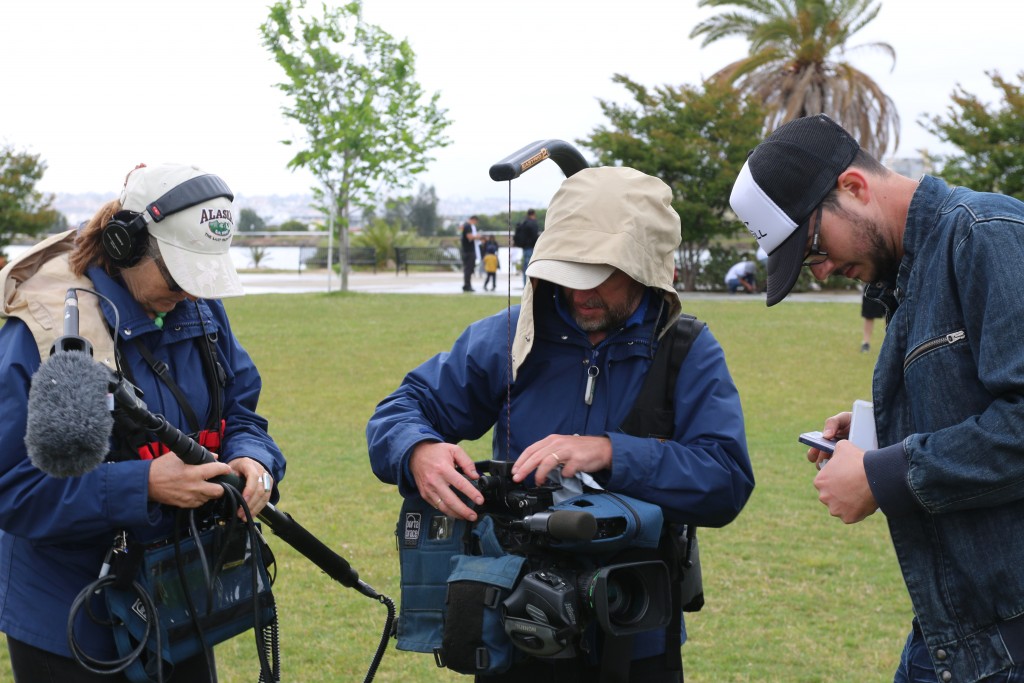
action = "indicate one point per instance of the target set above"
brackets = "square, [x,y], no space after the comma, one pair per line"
[161,370]
[215,375]
[213,371]
[652,414]
[616,655]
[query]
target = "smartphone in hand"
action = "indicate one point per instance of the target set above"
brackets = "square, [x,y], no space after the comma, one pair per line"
[816,440]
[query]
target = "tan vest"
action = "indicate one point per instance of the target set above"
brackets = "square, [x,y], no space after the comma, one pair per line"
[34,286]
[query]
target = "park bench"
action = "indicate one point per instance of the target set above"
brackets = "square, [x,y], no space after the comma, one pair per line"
[437,257]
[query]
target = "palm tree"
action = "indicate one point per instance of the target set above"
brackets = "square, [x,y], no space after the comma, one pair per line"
[788,68]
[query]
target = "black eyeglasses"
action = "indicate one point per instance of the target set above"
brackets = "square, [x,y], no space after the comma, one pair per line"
[168,280]
[816,255]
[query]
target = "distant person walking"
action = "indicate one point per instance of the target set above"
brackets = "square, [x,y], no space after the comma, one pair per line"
[525,237]
[470,252]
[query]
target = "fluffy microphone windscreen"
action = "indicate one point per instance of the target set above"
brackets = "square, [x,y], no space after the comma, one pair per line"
[69,422]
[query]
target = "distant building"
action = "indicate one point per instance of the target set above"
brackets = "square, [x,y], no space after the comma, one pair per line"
[911,167]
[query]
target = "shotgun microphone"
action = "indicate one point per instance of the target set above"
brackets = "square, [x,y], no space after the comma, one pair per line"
[71,341]
[67,433]
[69,423]
[562,525]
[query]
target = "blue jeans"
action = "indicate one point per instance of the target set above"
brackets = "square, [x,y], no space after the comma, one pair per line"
[527,255]
[916,666]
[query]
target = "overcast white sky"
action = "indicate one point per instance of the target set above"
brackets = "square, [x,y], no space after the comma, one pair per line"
[96,87]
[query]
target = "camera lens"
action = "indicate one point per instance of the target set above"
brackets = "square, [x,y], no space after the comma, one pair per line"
[627,596]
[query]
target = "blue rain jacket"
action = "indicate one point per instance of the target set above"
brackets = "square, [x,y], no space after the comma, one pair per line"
[702,476]
[54,533]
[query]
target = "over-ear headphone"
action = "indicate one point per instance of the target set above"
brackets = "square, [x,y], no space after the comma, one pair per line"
[125,235]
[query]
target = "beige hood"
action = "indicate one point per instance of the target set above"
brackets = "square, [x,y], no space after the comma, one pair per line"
[609,216]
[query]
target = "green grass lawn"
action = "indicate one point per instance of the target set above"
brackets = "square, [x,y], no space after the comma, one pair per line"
[793,595]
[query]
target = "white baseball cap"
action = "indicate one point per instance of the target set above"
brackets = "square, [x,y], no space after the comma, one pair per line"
[191,217]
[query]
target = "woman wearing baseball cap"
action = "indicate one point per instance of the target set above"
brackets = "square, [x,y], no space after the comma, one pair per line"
[149,268]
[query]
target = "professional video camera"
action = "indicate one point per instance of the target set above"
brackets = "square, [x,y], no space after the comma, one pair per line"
[578,562]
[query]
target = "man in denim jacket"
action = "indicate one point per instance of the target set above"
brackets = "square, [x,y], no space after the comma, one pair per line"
[948,388]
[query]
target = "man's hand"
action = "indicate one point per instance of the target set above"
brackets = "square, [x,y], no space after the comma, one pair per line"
[572,453]
[836,427]
[843,485]
[438,468]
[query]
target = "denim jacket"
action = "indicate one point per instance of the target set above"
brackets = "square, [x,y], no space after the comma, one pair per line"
[948,394]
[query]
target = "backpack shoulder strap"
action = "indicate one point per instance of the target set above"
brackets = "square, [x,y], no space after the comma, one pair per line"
[652,413]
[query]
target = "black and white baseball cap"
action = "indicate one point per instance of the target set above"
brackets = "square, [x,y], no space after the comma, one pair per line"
[782,182]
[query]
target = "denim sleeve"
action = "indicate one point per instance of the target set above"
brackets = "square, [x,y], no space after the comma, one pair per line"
[36,506]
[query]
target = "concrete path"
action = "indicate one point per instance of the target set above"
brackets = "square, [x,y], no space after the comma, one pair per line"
[380,282]
[449,283]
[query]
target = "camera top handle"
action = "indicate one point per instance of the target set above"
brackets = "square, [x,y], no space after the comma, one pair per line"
[562,153]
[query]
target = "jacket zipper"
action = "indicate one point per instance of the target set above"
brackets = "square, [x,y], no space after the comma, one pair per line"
[932,344]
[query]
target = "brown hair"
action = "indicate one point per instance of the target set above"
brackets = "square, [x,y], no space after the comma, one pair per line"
[88,247]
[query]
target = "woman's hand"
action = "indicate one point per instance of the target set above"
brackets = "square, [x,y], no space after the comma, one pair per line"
[172,482]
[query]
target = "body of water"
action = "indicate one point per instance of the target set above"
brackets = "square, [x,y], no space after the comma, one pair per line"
[277,258]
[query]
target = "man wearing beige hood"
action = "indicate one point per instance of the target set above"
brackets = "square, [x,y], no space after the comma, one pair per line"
[599,301]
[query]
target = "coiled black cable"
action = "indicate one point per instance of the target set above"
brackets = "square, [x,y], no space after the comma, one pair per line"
[383,645]
[111,666]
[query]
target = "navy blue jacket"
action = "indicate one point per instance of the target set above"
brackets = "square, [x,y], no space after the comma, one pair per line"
[702,476]
[54,532]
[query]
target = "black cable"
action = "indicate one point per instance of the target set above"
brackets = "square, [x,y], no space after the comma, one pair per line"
[179,562]
[117,321]
[385,636]
[268,673]
[112,666]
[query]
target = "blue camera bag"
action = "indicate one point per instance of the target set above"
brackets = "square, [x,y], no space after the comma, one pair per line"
[454,577]
[427,542]
[622,522]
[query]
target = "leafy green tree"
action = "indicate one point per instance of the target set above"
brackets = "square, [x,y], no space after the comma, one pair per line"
[368,124]
[60,223]
[396,212]
[422,214]
[696,140]
[991,139]
[250,221]
[24,210]
[294,225]
[791,67]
